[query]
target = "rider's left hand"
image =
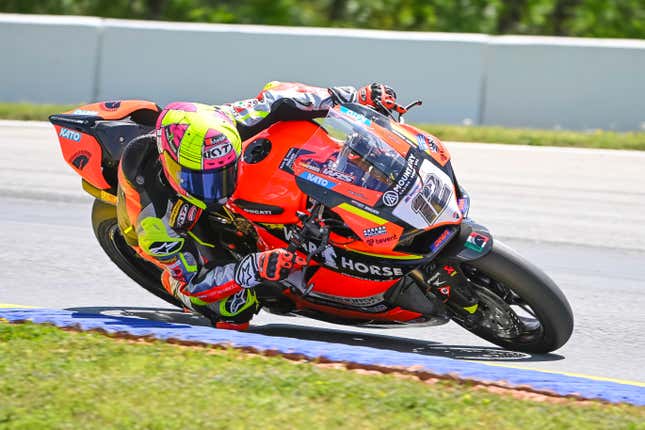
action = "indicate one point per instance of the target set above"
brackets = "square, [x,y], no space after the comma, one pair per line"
[378,96]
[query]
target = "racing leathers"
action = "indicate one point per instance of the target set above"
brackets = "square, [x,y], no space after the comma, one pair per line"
[170,232]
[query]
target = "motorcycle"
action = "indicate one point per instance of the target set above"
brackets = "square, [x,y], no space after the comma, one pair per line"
[370,205]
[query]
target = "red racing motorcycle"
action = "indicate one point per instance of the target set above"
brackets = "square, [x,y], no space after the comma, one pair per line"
[373,209]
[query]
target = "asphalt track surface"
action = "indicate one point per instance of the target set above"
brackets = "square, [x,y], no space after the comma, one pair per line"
[578,214]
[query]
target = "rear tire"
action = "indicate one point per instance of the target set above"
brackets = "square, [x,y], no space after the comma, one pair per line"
[146,274]
[514,281]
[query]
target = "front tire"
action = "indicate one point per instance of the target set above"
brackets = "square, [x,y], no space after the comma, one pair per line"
[521,308]
[146,274]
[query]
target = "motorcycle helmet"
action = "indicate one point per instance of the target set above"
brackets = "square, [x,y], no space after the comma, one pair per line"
[198,148]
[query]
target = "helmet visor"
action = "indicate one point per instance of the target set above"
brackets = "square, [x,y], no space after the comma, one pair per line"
[207,186]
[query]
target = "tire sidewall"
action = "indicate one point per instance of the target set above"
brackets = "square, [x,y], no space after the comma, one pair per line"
[537,289]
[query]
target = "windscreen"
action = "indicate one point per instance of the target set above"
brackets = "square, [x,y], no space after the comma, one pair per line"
[348,151]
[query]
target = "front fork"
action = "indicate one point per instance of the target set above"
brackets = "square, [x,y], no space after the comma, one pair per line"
[444,278]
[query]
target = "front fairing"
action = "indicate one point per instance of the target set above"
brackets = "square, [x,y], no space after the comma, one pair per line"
[374,175]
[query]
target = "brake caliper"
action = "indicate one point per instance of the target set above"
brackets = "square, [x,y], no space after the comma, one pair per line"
[446,282]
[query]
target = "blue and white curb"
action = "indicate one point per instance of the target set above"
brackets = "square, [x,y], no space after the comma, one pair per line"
[563,385]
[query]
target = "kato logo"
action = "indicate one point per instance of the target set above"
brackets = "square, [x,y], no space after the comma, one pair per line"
[307,176]
[66,133]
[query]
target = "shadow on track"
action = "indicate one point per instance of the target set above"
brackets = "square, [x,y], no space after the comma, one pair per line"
[351,338]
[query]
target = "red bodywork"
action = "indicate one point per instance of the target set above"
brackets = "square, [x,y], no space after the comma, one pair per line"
[82,151]
[267,183]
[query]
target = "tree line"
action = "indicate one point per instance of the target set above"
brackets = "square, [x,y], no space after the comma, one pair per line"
[579,18]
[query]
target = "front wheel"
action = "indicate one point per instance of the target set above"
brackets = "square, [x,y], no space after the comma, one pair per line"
[520,307]
[106,230]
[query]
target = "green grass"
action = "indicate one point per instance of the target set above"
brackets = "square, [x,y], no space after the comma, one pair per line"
[53,379]
[31,112]
[513,136]
[519,136]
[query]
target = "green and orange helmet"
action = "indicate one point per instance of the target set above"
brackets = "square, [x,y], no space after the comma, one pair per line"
[198,147]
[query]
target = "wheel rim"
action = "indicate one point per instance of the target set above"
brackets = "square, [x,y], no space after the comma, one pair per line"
[503,314]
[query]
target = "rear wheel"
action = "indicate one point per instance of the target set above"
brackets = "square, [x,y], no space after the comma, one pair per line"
[520,307]
[143,272]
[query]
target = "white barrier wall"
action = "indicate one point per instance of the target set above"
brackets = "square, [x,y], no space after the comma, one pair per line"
[48,59]
[220,63]
[565,82]
[508,80]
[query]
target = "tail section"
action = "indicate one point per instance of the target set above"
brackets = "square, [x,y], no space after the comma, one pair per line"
[93,136]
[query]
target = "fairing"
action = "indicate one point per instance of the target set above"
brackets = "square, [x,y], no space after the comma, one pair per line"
[372,176]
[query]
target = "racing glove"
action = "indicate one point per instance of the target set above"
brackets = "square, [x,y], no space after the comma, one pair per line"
[379,96]
[273,265]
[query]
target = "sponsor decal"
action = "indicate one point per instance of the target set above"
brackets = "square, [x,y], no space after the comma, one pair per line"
[177,270]
[345,177]
[309,166]
[432,199]
[357,194]
[259,211]
[421,142]
[308,176]
[328,255]
[365,207]
[68,134]
[80,159]
[375,231]
[193,213]
[476,241]
[245,271]
[216,140]
[183,215]
[445,291]
[405,180]
[369,269]
[236,302]
[112,105]
[85,112]
[380,240]
[450,270]
[258,208]
[161,248]
[435,281]
[390,198]
[352,301]
[170,138]
[217,151]
[426,143]
[355,115]
[287,162]
[440,241]
[463,204]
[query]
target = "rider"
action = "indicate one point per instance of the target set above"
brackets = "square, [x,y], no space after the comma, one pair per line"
[168,179]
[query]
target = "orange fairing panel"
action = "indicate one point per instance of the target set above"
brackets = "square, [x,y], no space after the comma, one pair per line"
[113,110]
[425,142]
[396,314]
[83,153]
[265,182]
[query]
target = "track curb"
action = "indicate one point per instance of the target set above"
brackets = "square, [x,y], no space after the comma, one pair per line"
[447,368]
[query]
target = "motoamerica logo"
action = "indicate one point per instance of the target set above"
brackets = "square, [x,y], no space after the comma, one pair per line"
[403,184]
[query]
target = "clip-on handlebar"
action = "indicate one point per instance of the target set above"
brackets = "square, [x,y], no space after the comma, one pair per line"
[389,108]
